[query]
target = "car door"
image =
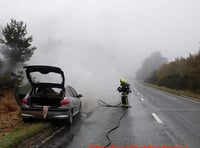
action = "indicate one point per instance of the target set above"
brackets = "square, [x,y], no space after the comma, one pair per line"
[76,98]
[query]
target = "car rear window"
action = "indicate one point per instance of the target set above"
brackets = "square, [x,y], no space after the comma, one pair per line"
[50,77]
[47,91]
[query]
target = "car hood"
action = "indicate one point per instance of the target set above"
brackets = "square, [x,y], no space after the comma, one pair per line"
[44,70]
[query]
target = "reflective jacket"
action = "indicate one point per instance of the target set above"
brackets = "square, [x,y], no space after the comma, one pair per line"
[124,88]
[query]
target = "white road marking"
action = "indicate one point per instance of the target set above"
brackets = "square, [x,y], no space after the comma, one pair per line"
[185,97]
[181,97]
[178,109]
[141,99]
[156,118]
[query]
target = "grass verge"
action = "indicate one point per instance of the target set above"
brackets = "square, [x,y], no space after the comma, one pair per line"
[22,133]
[185,93]
[13,131]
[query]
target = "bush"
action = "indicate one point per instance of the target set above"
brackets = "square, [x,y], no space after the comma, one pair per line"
[8,104]
[9,81]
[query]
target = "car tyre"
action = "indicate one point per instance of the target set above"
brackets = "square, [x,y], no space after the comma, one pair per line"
[25,120]
[80,109]
[70,119]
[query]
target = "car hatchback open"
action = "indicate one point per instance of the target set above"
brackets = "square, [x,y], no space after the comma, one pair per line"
[48,98]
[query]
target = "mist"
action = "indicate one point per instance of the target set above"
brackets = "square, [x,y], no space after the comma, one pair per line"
[96,42]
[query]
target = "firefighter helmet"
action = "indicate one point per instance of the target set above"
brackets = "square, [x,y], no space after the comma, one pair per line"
[122,80]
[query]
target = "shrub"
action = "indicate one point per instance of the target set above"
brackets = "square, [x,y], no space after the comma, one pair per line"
[8,104]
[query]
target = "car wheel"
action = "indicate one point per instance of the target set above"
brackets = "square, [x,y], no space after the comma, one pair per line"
[70,119]
[26,120]
[80,109]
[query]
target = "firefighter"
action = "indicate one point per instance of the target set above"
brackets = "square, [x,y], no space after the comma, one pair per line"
[124,88]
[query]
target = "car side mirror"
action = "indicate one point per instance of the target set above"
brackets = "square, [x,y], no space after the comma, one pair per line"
[80,95]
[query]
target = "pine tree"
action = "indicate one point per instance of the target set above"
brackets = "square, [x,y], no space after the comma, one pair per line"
[17,47]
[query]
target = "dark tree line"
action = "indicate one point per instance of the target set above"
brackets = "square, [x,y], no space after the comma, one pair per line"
[182,74]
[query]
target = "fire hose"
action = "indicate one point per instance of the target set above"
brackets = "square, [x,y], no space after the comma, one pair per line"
[104,104]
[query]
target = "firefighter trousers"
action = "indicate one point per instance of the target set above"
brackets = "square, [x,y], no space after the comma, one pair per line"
[124,99]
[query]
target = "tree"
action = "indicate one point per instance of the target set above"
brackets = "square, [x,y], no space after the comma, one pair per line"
[16,47]
[182,74]
[150,64]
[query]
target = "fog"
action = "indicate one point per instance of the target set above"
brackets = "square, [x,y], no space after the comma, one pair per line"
[96,42]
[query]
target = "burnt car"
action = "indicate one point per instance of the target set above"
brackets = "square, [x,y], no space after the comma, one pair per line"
[47,96]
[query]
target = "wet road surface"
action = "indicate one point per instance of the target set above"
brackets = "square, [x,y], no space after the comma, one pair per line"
[155,118]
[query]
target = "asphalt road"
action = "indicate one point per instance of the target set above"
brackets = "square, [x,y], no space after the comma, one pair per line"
[156,118]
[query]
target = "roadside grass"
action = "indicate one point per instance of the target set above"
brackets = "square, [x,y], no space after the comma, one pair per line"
[19,134]
[185,93]
[8,104]
[9,114]
[13,130]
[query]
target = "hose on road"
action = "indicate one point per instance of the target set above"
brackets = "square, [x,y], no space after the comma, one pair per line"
[102,103]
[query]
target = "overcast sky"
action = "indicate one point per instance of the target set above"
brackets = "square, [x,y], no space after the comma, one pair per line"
[106,39]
